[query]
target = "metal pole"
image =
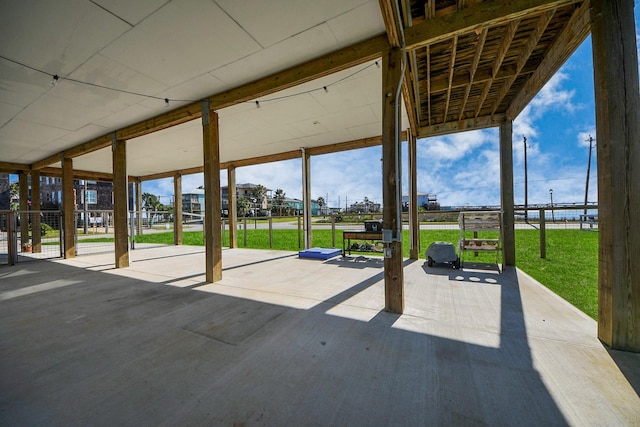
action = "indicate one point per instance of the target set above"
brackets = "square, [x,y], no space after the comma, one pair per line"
[526,182]
[552,214]
[543,238]
[586,187]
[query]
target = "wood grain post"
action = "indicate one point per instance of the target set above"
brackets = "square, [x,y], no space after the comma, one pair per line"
[414,223]
[23,189]
[120,202]
[306,198]
[36,237]
[232,205]
[212,201]
[615,62]
[68,208]
[393,268]
[506,194]
[177,209]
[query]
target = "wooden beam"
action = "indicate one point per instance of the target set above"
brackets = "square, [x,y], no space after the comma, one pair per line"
[175,117]
[525,53]
[120,203]
[77,174]
[489,13]
[461,126]
[566,43]
[23,191]
[506,194]
[414,223]
[452,63]
[340,60]
[288,155]
[138,204]
[482,38]
[68,209]
[393,266]
[14,168]
[162,175]
[306,199]
[212,202]
[177,209]
[350,145]
[617,101]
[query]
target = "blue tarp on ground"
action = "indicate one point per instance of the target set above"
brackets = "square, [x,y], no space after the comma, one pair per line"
[320,253]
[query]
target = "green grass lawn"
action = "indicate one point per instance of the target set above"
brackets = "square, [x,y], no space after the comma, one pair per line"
[570,268]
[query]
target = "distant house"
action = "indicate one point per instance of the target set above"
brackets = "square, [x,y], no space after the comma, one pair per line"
[99,194]
[194,200]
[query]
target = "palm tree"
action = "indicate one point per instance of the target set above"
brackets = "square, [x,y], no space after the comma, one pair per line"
[258,194]
[243,205]
[278,200]
[321,204]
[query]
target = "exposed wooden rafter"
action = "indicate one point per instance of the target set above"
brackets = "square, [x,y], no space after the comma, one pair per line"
[452,67]
[525,53]
[574,33]
[502,51]
[486,14]
[482,37]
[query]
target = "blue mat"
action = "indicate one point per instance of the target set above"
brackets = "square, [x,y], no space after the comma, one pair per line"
[320,253]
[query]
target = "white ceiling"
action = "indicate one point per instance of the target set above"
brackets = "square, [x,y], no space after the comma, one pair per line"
[183,50]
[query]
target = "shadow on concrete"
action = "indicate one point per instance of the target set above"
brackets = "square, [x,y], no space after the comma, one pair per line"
[112,350]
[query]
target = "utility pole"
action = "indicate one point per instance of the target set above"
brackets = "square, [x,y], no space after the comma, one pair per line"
[526,182]
[586,187]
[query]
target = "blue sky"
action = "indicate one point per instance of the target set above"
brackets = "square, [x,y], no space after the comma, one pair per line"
[462,169]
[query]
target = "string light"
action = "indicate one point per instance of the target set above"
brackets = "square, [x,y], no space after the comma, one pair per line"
[56,78]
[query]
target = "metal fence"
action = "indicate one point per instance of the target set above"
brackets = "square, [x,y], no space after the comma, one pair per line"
[94,232]
[29,235]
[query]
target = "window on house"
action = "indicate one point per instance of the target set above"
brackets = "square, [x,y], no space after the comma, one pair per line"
[91,196]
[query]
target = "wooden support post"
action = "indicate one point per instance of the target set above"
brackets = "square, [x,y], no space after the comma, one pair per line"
[23,184]
[212,202]
[393,268]
[177,209]
[414,223]
[36,238]
[233,208]
[543,234]
[615,62]
[68,209]
[306,198]
[139,206]
[506,194]
[120,202]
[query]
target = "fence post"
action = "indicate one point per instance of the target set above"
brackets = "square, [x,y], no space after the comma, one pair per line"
[61,234]
[132,229]
[245,231]
[543,237]
[223,230]
[271,232]
[12,238]
[299,241]
[333,231]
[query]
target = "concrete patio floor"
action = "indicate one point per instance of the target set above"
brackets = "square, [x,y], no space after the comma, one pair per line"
[282,341]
